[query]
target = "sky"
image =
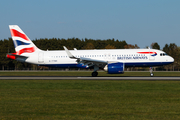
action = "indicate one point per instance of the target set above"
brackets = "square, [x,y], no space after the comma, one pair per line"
[140,22]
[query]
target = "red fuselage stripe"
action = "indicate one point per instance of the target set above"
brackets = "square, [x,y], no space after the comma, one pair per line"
[147,52]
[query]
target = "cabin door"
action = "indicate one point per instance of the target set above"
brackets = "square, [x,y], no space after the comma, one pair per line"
[40,57]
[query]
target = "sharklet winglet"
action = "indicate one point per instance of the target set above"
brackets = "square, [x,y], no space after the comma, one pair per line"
[69,53]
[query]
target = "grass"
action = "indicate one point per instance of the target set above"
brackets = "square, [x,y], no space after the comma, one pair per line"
[82,73]
[89,99]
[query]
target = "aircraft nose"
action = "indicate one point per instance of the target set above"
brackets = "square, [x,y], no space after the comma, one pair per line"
[171,59]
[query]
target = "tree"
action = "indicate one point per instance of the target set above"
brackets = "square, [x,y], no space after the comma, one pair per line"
[129,46]
[89,46]
[173,51]
[166,48]
[110,47]
[120,44]
[155,46]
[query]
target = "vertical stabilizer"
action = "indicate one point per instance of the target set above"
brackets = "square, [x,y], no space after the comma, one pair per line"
[21,42]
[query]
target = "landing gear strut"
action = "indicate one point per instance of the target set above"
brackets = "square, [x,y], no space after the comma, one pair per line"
[151,72]
[94,74]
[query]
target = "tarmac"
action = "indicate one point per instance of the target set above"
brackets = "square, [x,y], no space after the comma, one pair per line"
[84,78]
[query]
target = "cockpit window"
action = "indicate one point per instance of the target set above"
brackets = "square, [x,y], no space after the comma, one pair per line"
[163,54]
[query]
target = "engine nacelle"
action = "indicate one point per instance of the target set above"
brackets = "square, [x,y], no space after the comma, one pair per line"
[114,68]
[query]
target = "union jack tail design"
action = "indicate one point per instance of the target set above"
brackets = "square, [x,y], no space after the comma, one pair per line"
[21,42]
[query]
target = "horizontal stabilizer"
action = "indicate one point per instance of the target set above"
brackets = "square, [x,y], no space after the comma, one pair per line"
[16,57]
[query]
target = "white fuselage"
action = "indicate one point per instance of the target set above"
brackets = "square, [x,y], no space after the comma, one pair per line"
[130,57]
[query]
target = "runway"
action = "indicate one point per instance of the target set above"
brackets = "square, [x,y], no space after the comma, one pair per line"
[84,78]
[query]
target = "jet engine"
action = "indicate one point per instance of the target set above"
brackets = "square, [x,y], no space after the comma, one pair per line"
[114,68]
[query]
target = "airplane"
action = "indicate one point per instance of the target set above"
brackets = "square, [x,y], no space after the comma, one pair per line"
[113,61]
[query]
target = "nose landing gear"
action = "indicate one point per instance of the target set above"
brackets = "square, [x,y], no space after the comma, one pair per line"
[151,72]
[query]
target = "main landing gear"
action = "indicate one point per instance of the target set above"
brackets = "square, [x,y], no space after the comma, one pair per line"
[94,74]
[151,72]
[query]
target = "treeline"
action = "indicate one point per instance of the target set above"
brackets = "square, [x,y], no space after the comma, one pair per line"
[71,43]
[7,46]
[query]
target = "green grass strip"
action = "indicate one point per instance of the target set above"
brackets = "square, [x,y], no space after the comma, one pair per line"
[89,99]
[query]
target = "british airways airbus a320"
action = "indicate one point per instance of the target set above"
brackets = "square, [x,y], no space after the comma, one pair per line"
[113,60]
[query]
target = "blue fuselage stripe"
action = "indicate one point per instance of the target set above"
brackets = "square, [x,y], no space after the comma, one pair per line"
[145,64]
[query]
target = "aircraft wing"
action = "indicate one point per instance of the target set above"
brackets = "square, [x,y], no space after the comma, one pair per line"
[92,60]
[87,61]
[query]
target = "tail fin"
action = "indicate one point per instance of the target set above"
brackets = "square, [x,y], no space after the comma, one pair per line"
[21,42]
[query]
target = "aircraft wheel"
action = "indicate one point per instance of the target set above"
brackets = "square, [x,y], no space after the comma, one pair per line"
[94,74]
[151,74]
